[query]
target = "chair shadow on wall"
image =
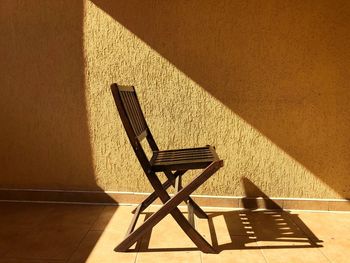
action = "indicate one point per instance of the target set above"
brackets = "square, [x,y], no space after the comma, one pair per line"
[249,228]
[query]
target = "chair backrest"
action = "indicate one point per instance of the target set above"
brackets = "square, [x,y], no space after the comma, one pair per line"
[133,111]
[134,121]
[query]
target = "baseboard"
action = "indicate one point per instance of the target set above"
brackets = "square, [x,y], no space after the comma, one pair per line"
[110,197]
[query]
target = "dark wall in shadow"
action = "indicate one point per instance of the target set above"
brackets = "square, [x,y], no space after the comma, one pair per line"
[280,65]
[44,139]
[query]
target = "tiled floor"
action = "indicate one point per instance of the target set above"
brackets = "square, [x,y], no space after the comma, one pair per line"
[38,233]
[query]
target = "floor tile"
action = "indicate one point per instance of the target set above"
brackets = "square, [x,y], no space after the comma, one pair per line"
[297,255]
[230,236]
[235,255]
[106,233]
[337,249]
[9,237]
[167,243]
[325,225]
[115,218]
[98,247]
[287,236]
[278,228]
[55,230]
[57,242]
[72,215]
[167,234]
[227,230]
[169,257]
[23,214]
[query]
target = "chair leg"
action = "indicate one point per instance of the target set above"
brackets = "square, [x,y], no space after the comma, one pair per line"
[196,208]
[150,199]
[170,206]
[171,181]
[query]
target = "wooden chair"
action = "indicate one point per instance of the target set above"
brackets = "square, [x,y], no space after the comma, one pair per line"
[173,163]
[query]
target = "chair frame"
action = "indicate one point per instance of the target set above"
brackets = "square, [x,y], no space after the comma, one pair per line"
[137,130]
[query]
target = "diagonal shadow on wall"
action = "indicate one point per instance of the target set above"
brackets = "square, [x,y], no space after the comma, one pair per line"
[281,66]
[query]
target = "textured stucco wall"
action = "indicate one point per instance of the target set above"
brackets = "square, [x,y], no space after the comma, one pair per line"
[44,139]
[266,82]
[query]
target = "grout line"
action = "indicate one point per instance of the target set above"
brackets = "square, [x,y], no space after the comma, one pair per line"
[77,247]
[138,247]
[137,253]
[196,222]
[307,236]
[309,239]
[262,252]
[327,258]
[85,235]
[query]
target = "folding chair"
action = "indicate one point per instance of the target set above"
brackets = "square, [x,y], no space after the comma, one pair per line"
[173,163]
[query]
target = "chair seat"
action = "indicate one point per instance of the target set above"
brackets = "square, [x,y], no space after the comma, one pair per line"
[183,159]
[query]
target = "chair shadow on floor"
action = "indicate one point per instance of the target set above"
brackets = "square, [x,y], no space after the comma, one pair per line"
[248,228]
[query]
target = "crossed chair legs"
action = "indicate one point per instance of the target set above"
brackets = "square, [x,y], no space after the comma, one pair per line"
[170,206]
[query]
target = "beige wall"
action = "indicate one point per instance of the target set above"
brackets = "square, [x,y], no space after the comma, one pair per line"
[266,82]
[44,138]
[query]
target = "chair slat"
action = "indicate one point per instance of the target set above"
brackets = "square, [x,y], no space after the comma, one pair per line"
[133,111]
[206,148]
[188,159]
[208,160]
[184,154]
[128,109]
[184,159]
[136,118]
